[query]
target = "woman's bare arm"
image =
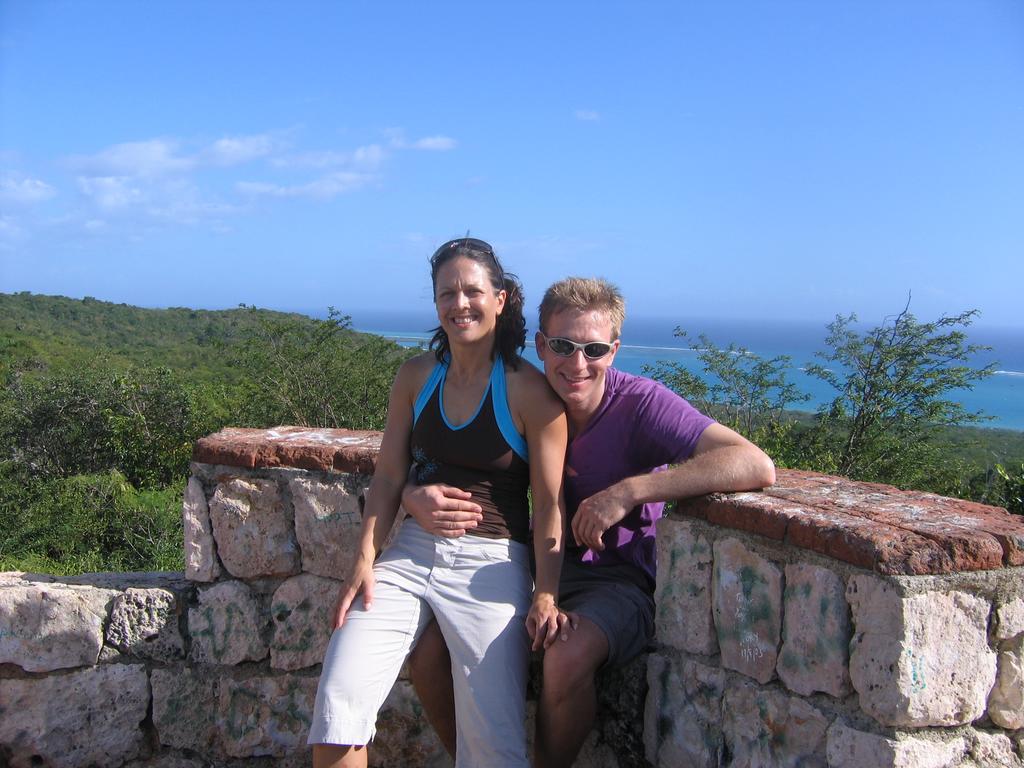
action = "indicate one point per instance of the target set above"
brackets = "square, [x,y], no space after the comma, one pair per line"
[543,419]
[384,494]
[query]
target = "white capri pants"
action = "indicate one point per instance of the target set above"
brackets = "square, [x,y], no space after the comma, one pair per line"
[480,591]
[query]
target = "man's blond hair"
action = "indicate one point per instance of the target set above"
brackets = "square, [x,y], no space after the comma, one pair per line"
[584,294]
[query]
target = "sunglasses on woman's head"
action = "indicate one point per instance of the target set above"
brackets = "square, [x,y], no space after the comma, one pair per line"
[592,350]
[465,244]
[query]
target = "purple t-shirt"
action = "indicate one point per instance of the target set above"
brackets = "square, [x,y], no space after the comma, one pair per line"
[639,427]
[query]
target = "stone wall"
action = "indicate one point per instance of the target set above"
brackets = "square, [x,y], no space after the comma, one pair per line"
[819,623]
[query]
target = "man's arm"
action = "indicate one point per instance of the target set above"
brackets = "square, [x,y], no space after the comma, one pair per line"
[442,510]
[723,461]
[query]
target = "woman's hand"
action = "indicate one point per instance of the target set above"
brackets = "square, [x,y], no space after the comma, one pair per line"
[544,622]
[359,580]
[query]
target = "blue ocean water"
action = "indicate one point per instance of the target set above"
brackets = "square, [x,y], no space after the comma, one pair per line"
[646,341]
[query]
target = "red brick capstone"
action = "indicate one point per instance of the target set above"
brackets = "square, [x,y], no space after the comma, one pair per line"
[874,526]
[343,450]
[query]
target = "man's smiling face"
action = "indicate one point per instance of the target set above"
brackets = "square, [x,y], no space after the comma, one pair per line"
[579,381]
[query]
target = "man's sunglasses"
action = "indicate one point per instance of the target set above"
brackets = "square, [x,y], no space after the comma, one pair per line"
[592,350]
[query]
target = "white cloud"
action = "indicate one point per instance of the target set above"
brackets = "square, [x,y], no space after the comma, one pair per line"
[190,211]
[366,158]
[182,202]
[22,189]
[162,157]
[175,200]
[161,180]
[235,150]
[435,143]
[588,115]
[9,229]
[110,192]
[396,138]
[155,157]
[327,187]
[326,159]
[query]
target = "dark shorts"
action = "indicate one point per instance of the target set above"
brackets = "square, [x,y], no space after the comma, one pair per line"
[609,596]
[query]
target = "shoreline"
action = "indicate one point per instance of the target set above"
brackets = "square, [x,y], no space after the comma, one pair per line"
[633,357]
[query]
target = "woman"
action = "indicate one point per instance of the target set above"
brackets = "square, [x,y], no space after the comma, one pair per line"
[468,414]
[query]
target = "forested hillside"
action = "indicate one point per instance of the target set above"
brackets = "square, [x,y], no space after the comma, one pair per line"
[100,404]
[56,330]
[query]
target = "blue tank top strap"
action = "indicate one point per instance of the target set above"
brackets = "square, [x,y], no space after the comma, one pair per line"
[499,401]
[436,376]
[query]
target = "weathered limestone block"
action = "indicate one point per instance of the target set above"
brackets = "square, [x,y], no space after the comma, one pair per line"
[683,713]
[167,761]
[683,596]
[1006,701]
[994,750]
[51,626]
[200,551]
[815,632]
[850,748]
[301,611]
[253,529]
[404,737]
[767,727]
[1010,619]
[266,715]
[227,626]
[620,704]
[747,602]
[144,622]
[327,523]
[920,660]
[85,718]
[185,707]
[596,753]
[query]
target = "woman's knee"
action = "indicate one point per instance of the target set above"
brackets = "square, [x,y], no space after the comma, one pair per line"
[339,756]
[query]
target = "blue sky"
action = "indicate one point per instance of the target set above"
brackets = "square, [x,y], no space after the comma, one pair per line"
[790,160]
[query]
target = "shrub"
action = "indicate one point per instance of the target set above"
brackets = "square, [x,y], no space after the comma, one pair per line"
[88,523]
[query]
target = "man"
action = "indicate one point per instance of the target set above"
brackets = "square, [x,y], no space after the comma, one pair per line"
[623,430]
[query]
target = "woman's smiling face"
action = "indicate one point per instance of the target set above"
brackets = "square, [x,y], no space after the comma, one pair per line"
[467,304]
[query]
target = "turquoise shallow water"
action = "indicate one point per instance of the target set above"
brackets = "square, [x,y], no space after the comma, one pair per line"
[649,340]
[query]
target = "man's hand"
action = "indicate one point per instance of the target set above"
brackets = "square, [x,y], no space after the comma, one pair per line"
[442,510]
[597,514]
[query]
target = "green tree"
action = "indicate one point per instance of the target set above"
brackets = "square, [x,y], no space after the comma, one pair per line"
[893,386]
[95,418]
[316,373]
[740,389]
[1011,494]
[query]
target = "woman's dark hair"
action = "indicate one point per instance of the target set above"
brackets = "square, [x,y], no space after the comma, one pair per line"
[510,333]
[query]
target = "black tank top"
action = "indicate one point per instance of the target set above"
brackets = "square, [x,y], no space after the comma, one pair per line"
[485,456]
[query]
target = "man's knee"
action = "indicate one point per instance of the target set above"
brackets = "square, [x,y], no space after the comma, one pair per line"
[572,664]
